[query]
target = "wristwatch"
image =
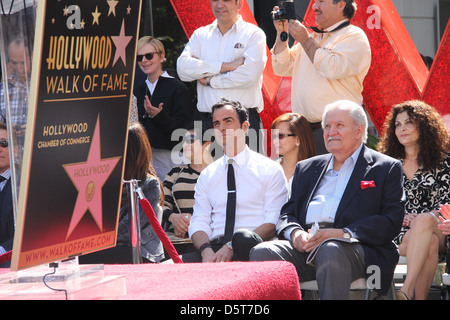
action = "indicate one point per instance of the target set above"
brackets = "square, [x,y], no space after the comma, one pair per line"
[208,81]
[204,246]
[347,234]
[229,245]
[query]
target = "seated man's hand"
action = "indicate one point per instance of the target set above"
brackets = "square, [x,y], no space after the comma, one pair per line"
[322,235]
[299,238]
[208,255]
[224,254]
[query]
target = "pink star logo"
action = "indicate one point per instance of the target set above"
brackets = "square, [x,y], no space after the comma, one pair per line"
[121,42]
[88,178]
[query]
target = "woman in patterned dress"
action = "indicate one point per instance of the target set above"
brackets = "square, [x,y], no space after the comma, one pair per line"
[415,134]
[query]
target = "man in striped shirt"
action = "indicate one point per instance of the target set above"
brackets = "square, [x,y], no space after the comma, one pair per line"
[18,73]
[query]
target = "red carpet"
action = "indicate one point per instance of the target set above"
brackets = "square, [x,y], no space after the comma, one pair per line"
[272,280]
[210,281]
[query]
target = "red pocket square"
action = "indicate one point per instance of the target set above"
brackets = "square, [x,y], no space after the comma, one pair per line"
[367,184]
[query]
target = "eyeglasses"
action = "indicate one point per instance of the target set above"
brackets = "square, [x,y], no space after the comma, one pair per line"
[4,143]
[281,136]
[190,139]
[148,56]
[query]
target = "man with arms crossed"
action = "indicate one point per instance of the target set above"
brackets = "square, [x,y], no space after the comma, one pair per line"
[227,59]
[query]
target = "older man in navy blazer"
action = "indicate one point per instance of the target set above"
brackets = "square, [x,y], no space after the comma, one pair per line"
[355,195]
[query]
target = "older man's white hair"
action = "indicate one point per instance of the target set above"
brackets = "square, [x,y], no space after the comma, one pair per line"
[356,111]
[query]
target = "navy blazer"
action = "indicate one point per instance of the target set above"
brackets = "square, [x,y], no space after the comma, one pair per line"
[6,220]
[177,111]
[373,214]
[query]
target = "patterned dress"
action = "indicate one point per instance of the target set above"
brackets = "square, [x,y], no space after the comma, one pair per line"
[426,191]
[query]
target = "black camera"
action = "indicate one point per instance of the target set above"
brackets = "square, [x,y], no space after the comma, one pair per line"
[286,11]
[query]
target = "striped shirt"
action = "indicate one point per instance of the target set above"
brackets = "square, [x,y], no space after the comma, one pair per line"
[7,175]
[179,189]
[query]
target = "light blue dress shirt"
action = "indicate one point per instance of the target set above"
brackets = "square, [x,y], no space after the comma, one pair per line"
[328,195]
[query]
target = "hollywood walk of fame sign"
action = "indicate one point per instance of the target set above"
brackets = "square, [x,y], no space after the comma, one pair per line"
[82,79]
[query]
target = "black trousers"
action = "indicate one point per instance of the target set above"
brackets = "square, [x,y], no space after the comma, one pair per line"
[243,241]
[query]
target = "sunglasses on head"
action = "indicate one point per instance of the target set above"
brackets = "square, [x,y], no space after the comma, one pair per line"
[282,135]
[190,139]
[4,143]
[148,56]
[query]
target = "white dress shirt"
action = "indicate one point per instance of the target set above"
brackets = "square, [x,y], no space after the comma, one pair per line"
[204,54]
[260,194]
[289,181]
[151,86]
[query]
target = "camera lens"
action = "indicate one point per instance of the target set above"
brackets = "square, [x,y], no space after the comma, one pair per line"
[279,15]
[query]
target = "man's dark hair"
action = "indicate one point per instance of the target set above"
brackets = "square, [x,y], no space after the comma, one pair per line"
[240,110]
[350,8]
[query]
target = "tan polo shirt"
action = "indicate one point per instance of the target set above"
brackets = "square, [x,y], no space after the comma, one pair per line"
[340,65]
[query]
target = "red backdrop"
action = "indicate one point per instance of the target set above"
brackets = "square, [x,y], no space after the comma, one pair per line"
[397,73]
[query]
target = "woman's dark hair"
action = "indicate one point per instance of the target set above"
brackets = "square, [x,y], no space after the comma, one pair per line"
[299,126]
[433,135]
[200,128]
[139,156]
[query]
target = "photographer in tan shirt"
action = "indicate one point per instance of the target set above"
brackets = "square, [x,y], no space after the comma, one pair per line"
[326,66]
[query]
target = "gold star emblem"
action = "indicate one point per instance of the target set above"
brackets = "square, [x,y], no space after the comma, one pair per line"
[96,14]
[112,7]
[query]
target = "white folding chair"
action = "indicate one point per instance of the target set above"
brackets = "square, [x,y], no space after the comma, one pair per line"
[358,284]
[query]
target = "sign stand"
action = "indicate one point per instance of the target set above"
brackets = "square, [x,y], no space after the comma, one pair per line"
[65,280]
[133,219]
[83,63]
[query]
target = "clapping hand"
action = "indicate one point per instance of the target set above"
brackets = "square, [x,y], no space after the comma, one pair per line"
[150,109]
